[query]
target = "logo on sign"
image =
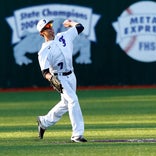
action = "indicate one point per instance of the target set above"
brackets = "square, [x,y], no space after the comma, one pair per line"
[136,31]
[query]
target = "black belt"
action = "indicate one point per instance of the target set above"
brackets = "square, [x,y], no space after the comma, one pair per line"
[64,73]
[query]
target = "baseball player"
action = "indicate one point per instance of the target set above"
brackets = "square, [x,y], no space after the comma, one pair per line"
[55,60]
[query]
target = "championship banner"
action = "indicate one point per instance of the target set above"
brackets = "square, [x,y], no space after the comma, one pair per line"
[24,20]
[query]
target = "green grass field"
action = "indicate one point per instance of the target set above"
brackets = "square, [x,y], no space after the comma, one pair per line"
[110,115]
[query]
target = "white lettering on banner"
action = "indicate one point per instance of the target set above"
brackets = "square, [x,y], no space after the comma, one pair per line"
[24,22]
[136,31]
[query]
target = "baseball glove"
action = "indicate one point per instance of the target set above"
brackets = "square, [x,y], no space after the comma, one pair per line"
[56,84]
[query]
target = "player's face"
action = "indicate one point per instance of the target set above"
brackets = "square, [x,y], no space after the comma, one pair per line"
[48,31]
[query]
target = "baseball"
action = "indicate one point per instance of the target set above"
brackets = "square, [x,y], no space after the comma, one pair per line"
[66,23]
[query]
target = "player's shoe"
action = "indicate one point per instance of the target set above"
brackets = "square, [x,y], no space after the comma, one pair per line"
[78,139]
[41,130]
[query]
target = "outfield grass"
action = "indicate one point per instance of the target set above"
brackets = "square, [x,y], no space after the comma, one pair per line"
[115,114]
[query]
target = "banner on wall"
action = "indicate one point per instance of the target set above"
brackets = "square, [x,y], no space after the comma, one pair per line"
[26,39]
[136,31]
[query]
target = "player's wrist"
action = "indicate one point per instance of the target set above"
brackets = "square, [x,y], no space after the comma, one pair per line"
[50,78]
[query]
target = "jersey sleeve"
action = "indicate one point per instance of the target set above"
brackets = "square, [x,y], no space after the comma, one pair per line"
[43,60]
[72,33]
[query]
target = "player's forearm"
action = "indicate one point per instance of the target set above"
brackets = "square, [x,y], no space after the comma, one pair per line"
[69,23]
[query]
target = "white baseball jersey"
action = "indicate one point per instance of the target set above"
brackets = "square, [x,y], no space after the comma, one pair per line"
[57,54]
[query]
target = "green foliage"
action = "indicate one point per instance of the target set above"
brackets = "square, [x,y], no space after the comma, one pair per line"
[116,114]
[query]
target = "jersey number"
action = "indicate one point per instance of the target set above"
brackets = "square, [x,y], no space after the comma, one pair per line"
[61,39]
[60,65]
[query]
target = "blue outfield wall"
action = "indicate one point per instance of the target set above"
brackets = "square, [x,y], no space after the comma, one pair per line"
[117,47]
